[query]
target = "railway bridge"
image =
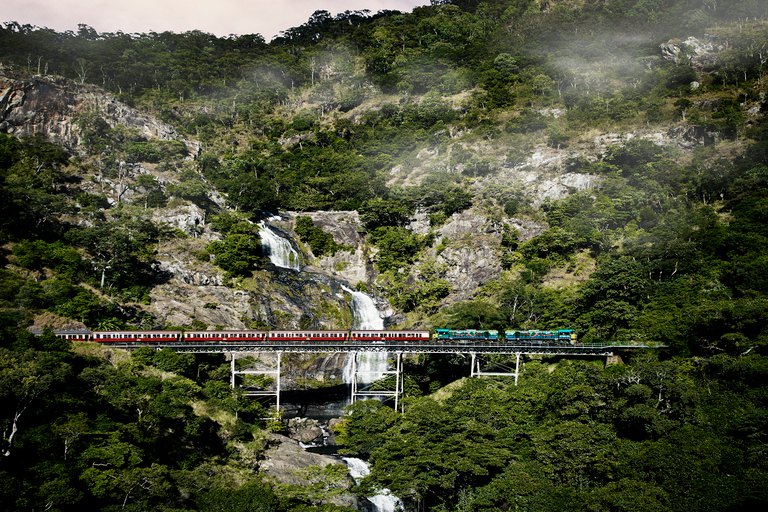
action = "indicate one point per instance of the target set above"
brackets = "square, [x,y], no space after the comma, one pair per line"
[476,350]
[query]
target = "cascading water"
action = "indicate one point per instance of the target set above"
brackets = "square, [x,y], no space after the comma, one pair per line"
[383,502]
[370,365]
[281,252]
[366,314]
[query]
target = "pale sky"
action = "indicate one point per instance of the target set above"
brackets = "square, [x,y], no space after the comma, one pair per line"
[218,17]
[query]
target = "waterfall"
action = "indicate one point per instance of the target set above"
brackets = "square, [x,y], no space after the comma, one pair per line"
[281,252]
[383,502]
[366,314]
[370,365]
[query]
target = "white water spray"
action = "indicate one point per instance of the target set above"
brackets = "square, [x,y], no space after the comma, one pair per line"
[366,314]
[281,252]
[383,502]
[370,365]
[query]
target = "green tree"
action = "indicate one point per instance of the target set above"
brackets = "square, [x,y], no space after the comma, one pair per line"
[364,428]
[25,379]
[239,251]
[320,242]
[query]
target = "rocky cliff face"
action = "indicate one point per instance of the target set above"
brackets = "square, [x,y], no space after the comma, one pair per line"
[467,245]
[50,105]
[699,54]
[274,297]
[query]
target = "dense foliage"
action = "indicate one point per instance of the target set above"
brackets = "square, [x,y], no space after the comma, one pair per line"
[679,434]
[102,431]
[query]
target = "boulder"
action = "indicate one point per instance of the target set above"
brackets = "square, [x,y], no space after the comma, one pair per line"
[284,462]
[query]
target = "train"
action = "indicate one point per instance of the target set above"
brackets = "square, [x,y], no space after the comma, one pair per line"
[160,338]
[529,337]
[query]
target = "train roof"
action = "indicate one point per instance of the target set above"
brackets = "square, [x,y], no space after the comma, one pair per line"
[227,331]
[390,330]
[334,331]
[140,332]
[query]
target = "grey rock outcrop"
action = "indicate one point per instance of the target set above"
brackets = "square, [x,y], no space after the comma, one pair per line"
[353,265]
[692,50]
[50,105]
[304,430]
[469,258]
[284,462]
[190,219]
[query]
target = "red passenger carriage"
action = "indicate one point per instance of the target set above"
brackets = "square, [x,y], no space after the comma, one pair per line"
[363,335]
[120,337]
[308,336]
[224,337]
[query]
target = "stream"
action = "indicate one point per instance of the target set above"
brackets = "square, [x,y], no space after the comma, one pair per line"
[370,365]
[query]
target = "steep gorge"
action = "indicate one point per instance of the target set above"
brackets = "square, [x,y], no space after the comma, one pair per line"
[466,246]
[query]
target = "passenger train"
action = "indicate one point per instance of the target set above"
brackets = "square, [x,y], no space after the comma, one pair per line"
[160,338]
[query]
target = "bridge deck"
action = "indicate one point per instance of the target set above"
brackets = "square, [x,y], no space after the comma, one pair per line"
[465,347]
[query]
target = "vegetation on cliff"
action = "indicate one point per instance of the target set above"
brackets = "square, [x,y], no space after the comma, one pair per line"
[648,226]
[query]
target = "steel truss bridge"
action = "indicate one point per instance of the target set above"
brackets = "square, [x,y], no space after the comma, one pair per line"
[395,349]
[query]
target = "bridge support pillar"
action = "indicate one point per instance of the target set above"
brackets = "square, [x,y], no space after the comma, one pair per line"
[276,372]
[397,372]
[475,370]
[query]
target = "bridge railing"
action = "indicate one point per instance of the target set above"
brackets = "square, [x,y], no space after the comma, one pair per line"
[431,346]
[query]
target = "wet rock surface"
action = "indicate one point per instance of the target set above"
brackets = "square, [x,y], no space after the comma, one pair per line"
[285,460]
[305,430]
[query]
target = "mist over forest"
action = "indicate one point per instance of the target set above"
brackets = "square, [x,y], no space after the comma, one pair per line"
[596,165]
